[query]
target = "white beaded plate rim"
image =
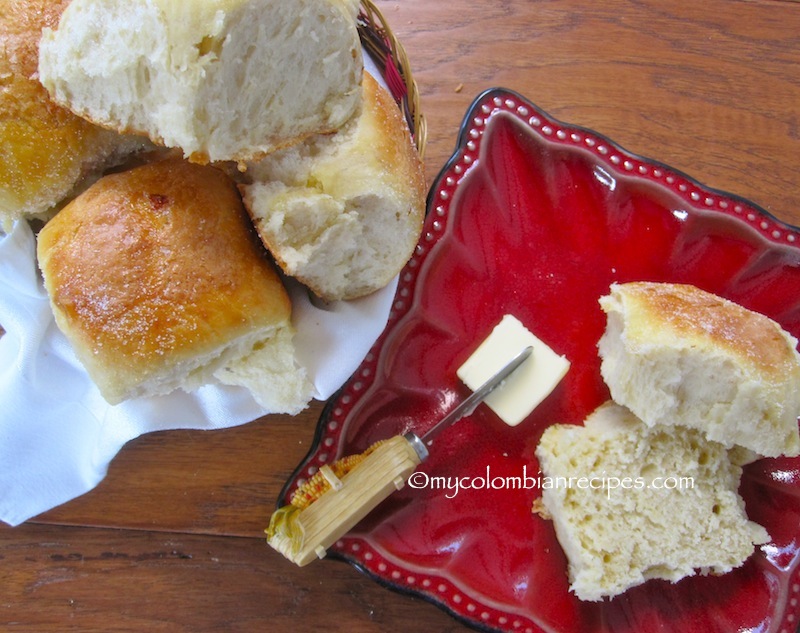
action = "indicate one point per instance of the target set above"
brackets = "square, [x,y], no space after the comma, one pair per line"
[496,100]
[438,590]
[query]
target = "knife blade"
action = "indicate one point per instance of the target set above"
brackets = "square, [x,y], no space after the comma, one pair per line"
[468,405]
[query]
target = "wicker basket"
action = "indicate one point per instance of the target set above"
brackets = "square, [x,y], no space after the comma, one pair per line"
[379,41]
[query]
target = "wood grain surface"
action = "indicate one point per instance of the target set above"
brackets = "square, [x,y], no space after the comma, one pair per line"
[172,539]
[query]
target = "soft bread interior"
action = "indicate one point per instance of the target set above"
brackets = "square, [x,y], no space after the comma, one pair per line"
[222,80]
[618,538]
[267,367]
[267,349]
[342,212]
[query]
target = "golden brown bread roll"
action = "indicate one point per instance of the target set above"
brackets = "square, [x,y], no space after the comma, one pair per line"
[157,279]
[677,355]
[45,150]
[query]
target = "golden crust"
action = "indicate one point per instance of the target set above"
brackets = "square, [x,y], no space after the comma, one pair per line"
[707,321]
[394,147]
[42,146]
[21,24]
[154,266]
[45,150]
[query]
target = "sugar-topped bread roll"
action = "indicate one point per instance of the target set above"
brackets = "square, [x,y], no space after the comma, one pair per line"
[677,355]
[220,79]
[343,212]
[158,281]
[46,152]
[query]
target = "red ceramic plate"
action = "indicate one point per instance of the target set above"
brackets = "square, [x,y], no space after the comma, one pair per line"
[537,218]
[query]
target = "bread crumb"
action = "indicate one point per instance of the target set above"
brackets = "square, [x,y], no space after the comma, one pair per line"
[538,507]
[459,87]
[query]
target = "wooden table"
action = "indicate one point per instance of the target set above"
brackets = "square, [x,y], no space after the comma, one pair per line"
[172,539]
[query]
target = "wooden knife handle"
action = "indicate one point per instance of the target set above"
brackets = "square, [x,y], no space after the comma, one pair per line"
[304,535]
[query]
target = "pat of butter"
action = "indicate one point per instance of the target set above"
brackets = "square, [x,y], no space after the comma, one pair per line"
[532,381]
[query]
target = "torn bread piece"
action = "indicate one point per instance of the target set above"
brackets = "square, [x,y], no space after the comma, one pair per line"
[631,503]
[220,79]
[677,355]
[158,281]
[342,213]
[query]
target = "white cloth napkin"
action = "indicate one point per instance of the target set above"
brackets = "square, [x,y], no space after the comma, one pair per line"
[57,433]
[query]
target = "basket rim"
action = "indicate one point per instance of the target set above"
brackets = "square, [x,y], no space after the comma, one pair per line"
[389,54]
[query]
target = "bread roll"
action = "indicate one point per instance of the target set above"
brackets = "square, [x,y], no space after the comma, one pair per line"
[617,537]
[158,281]
[676,355]
[220,79]
[46,152]
[343,212]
